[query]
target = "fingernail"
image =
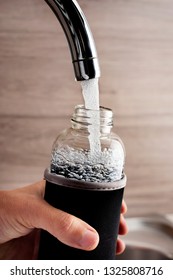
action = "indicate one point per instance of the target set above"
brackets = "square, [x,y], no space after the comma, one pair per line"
[89,240]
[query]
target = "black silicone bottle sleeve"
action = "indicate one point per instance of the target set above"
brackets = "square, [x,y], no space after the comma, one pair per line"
[99,208]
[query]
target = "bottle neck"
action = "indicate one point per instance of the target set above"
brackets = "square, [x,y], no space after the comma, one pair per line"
[83,118]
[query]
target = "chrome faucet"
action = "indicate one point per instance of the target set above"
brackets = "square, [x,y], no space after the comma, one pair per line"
[79,37]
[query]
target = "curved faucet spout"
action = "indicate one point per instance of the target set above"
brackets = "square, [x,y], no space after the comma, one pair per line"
[79,37]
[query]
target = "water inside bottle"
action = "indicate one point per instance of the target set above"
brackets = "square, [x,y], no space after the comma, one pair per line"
[77,164]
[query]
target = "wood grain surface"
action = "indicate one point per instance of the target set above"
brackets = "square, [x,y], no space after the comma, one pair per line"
[38,92]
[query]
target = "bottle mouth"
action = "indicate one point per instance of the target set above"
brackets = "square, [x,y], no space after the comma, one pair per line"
[84,116]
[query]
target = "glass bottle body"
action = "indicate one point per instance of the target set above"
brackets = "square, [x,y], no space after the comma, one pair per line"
[89,150]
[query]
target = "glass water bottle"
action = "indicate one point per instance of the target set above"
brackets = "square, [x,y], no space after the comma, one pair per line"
[86,178]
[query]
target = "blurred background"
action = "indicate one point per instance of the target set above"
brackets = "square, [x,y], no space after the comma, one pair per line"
[38,92]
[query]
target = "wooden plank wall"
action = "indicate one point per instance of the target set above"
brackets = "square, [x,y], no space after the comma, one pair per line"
[134,40]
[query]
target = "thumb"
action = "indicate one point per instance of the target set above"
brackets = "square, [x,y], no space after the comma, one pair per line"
[67,228]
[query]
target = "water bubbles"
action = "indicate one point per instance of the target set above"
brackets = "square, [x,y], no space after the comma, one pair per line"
[77,164]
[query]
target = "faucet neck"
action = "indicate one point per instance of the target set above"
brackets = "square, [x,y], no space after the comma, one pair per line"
[79,37]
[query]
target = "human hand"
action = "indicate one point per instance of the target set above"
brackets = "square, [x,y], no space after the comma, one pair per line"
[123,229]
[23,212]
